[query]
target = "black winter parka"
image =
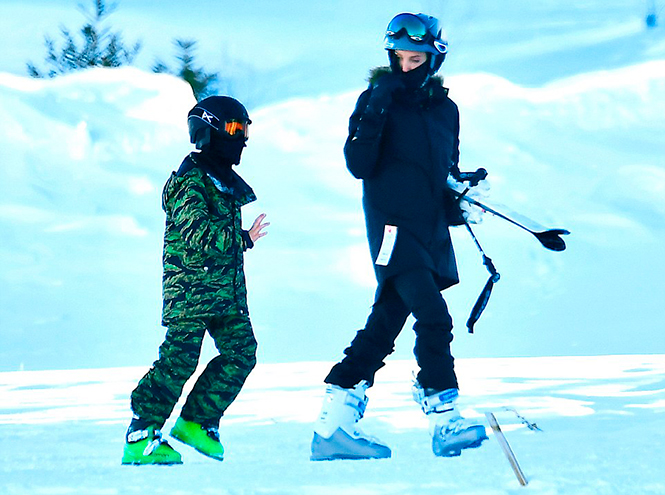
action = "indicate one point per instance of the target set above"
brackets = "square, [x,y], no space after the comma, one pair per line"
[404,167]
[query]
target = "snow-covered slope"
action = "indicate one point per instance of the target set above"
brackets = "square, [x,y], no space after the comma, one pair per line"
[86,156]
[562,103]
[601,422]
[84,159]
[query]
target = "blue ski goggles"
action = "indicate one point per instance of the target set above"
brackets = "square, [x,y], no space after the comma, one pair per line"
[415,29]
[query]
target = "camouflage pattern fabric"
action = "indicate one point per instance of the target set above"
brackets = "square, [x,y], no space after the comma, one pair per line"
[203,289]
[159,390]
[203,247]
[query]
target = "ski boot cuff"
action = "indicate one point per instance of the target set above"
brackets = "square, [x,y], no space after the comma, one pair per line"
[342,408]
[434,401]
[353,397]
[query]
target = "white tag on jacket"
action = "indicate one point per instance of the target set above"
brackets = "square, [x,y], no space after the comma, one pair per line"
[387,246]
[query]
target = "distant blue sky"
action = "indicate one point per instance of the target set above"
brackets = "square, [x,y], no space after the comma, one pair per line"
[260,44]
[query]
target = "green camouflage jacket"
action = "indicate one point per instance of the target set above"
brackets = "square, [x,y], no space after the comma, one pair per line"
[203,245]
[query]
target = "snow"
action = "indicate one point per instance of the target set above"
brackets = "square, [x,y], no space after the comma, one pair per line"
[601,422]
[91,151]
[563,104]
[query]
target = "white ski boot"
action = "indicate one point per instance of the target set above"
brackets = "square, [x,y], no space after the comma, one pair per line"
[336,432]
[450,432]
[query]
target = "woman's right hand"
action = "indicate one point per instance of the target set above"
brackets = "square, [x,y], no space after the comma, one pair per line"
[383,90]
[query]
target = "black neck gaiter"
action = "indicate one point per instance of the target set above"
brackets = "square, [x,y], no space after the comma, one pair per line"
[227,151]
[416,78]
[219,156]
[217,169]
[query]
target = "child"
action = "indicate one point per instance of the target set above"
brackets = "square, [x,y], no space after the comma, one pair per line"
[204,290]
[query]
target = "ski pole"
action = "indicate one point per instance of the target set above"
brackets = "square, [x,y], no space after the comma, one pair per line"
[484,296]
[505,446]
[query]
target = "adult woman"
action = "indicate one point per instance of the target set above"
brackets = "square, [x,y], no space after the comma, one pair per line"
[403,143]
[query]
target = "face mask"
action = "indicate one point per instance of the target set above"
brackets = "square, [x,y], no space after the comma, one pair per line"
[413,79]
[225,151]
[417,77]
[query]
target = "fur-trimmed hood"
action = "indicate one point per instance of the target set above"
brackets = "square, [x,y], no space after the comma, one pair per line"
[433,91]
[377,72]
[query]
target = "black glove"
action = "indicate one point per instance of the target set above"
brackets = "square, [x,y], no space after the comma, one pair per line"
[382,92]
[380,98]
[452,210]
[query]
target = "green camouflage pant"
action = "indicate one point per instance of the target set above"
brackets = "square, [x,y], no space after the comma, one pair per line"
[159,390]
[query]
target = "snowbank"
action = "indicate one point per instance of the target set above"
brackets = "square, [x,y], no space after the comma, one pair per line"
[86,156]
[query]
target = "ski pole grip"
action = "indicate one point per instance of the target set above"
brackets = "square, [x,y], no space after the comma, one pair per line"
[473,178]
[478,175]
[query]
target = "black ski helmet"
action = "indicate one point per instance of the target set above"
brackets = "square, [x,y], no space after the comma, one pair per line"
[210,116]
[418,33]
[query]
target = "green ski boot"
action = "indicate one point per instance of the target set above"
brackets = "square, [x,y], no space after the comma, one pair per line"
[146,446]
[204,439]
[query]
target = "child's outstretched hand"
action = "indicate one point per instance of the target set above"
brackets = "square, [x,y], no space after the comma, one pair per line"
[256,231]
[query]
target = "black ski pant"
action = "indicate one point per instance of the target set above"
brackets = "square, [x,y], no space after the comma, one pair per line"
[413,292]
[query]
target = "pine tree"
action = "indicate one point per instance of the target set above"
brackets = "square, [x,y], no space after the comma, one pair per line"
[200,81]
[100,47]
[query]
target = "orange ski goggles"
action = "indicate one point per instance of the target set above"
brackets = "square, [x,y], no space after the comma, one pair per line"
[236,129]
